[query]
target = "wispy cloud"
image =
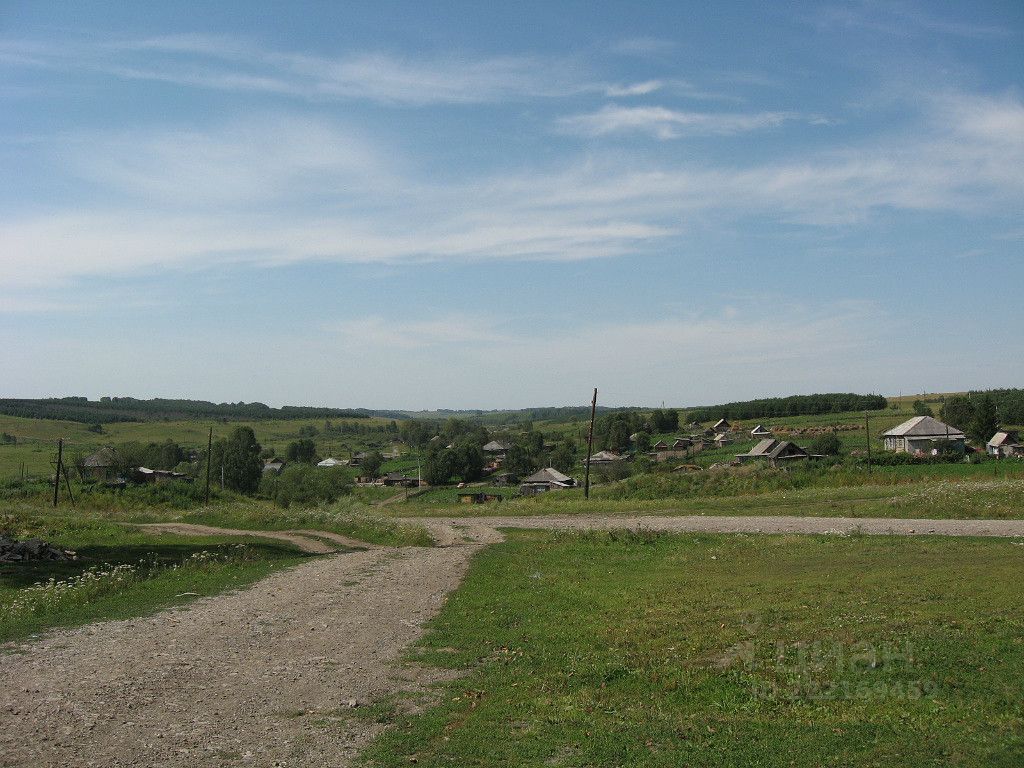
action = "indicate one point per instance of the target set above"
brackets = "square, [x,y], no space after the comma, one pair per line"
[642,46]
[666,123]
[635,89]
[226,63]
[289,191]
[903,19]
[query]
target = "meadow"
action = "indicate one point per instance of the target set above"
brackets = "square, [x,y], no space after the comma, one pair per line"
[619,649]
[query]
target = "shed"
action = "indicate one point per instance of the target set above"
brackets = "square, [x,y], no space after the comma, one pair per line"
[775,452]
[1005,443]
[721,426]
[760,431]
[101,466]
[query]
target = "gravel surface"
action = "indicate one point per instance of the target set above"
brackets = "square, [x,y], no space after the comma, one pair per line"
[739,524]
[273,675]
[265,676]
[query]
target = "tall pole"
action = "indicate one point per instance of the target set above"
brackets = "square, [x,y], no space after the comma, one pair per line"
[60,463]
[867,430]
[590,445]
[209,460]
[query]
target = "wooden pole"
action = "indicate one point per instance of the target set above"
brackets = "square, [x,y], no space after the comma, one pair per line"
[67,484]
[60,462]
[590,445]
[867,430]
[209,460]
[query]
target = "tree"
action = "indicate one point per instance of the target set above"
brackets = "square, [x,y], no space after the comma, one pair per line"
[302,451]
[643,442]
[921,409]
[985,421]
[825,445]
[519,460]
[563,458]
[243,467]
[958,412]
[438,465]
[468,459]
[372,462]
[618,436]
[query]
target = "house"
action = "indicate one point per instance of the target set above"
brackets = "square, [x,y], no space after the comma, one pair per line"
[400,479]
[682,444]
[357,459]
[329,462]
[760,431]
[549,479]
[921,435]
[1005,443]
[101,467]
[604,458]
[721,426]
[722,439]
[274,465]
[775,452]
[659,446]
[496,447]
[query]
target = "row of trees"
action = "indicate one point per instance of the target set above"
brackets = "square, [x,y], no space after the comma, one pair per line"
[975,416]
[119,409]
[795,405]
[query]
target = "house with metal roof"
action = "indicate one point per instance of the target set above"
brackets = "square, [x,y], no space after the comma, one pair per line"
[921,435]
[604,458]
[548,479]
[775,452]
[329,462]
[1005,443]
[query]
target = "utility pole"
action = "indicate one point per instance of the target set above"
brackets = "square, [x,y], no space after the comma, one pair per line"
[67,484]
[60,464]
[209,460]
[867,430]
[590,445]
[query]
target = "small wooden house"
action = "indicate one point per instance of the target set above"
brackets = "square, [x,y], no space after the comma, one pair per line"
[775,452]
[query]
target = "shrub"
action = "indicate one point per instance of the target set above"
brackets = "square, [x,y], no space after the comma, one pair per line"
[828,444]
[306,486]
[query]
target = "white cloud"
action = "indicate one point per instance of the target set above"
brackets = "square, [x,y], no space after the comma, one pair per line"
[666,123]
[283,191]
[634,89]
[226,63]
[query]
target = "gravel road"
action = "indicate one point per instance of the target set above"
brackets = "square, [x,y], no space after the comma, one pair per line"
[739,524]
[262,677]
[266,676]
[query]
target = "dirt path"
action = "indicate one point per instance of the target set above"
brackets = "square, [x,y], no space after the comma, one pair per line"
[307,541]
[260,677]
[737,524]
[266,676]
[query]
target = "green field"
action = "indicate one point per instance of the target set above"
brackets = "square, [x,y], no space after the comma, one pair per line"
[710,650]
[121,572]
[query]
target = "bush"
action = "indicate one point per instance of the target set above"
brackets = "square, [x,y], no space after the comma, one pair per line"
[828,444]
[307,486]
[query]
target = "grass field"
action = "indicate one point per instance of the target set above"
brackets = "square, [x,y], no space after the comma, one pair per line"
[709,650]
[121,572]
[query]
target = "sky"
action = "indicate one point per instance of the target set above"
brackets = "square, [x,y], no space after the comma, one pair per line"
[472,205]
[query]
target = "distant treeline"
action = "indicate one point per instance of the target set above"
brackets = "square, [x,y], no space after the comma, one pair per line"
[520,416]
[107,410]
[794,405]
[1009,404]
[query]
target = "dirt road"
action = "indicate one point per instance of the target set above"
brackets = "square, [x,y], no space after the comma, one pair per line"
[738,524]
[266,676]
[260,677]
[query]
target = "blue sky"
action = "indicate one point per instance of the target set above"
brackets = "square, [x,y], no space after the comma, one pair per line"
[398,205]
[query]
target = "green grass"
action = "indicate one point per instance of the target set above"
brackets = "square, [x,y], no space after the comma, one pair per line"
[711,650]
[346,517]
[122,572]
